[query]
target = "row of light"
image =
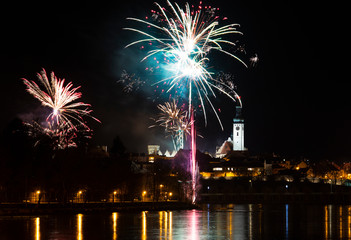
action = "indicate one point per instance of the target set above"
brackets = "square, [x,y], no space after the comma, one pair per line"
[115,192]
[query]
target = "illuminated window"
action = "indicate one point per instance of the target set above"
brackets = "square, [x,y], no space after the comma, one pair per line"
[217,169]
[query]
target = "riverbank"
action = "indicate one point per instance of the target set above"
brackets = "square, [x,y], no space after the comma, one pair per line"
[12,209]
[343,198]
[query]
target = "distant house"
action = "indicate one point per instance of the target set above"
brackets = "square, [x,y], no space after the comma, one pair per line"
[234,164]
[226,148]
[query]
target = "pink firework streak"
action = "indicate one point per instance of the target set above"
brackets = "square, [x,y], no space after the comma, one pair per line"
[193,158]
[184,37]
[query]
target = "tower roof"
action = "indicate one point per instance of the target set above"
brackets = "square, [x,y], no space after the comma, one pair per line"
[238,115]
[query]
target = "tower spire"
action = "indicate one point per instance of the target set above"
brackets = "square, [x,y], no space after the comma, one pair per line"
[238,130]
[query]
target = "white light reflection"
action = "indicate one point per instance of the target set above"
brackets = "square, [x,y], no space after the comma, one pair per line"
[240,224]
[170,225]
[193,226]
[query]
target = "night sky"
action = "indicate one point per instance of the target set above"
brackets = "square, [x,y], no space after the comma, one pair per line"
[295,102]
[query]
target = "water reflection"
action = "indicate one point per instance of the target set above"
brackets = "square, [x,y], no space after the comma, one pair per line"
[340,221]
[326,222]
[247,222]
[286,221]
[337,222]
[250,221]
[230,225]
[161,219]
[143,232]
[114,226]
[193,225]
[170,225]
[79,226]
[165,225]
[37,228]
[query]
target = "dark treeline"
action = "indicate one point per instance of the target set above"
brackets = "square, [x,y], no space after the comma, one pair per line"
[28,165]
[33,169]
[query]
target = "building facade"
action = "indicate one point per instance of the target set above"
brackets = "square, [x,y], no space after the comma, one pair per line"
[238,131]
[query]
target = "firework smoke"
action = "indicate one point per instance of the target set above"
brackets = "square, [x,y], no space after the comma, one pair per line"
[130,82]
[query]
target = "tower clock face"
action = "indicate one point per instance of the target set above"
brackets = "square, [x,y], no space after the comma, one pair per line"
[237,128]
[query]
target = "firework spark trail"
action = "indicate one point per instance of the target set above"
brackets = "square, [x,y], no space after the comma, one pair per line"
[66,118]
[186,38]
[254,60]
[61,99]
[60,138]
[175,121]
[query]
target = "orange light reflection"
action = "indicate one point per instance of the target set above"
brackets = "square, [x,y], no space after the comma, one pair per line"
[79,226]
[37,228]
[114,219]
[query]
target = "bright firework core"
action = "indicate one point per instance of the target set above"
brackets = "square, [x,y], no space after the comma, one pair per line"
[184,38]
[187,68]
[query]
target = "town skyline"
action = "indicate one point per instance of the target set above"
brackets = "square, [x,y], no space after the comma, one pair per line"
[289,98]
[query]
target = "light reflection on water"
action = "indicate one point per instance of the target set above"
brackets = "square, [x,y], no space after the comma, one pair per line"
[143,235]
[248,222]
[114,226]
[79,226]
[37,228]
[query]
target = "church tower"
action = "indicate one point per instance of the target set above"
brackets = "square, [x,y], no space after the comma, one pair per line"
[238,131]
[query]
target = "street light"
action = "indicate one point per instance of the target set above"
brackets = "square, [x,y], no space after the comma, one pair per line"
[143,195]
[38,196]
[161,186]
[114,195]
[170,195]
[79,196]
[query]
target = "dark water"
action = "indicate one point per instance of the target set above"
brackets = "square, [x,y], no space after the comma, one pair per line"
[250,221]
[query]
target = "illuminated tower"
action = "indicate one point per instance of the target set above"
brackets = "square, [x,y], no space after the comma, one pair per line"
[238,131]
